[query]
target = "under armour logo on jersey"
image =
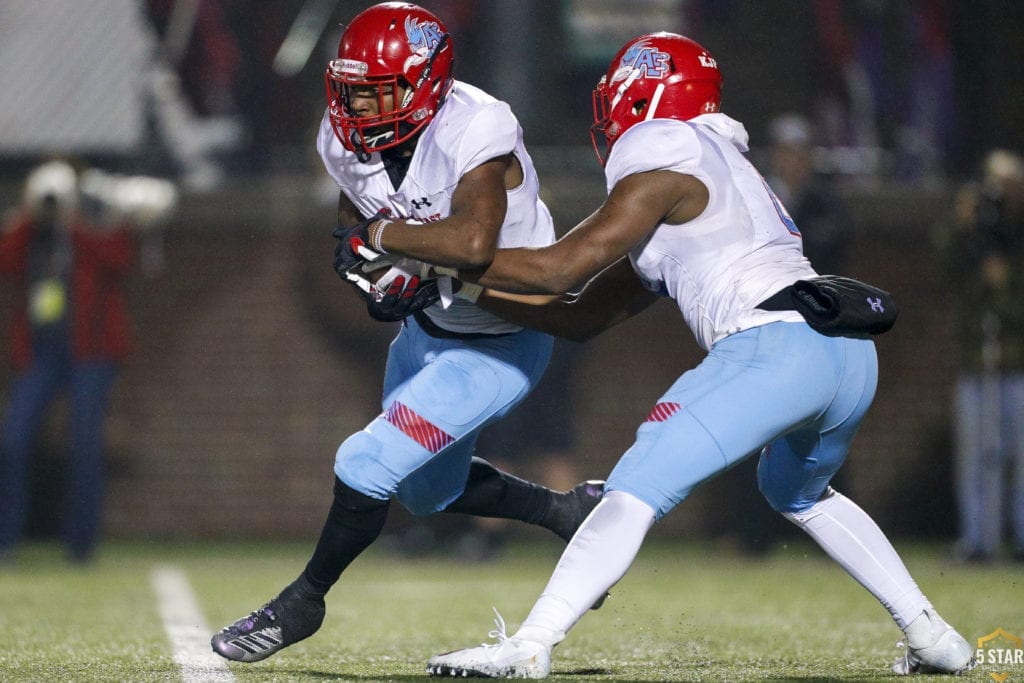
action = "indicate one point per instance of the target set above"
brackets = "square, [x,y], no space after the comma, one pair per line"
[420,203]
[646,60]
[876,304]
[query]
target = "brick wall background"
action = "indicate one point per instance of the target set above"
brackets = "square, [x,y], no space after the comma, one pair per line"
[254,362]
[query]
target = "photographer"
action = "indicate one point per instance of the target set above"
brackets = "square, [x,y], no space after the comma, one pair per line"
[982,252]
[67,252]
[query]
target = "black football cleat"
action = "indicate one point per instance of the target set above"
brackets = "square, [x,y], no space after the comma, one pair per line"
[290,617]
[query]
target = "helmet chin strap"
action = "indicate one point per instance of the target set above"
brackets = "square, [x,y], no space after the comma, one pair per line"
[621,90]
[425,74]
[655,100]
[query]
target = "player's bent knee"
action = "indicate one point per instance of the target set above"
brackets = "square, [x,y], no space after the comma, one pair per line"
[799,515]
[778,500]
[786,503]
[788,494]
[358,464]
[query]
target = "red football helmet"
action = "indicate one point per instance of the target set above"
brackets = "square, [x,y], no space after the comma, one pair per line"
[656,76]
[392,44]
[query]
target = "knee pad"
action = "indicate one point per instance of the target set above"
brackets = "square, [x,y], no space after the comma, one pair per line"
[358,463]
[374,464]
[433,486]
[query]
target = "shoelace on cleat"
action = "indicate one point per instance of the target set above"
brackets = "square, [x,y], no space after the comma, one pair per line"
[249,623]
[908,665]
[499,633]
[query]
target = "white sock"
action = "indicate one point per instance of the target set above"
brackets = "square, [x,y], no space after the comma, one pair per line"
[596,558]
[852,539]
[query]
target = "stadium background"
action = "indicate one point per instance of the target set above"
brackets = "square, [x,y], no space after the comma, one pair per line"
[253,361]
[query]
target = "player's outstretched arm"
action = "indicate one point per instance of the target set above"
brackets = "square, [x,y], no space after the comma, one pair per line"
[612,297]
[635,207]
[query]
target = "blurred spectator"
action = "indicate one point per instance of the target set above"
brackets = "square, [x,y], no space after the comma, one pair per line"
[982,251]
[887,81]
[809,197]
[244,68]
[67,254]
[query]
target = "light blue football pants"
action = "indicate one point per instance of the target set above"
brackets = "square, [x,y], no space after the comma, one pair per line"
[438,395]
[782,388]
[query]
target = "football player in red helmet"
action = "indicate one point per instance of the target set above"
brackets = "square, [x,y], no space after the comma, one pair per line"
[661,75]
[691,219]
[393,71]
[443,164]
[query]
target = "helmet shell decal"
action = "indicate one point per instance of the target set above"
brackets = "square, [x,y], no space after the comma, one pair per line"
[423,38]
[648,60]
[707,61]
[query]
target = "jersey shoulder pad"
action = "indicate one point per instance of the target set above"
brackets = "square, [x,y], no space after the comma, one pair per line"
[654,145]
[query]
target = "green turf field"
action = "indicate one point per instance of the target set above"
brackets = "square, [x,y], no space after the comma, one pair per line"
[684,613]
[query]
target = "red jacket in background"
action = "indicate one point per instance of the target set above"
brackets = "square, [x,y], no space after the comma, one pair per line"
[100,260]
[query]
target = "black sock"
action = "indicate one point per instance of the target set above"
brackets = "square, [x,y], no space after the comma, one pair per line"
[492,493]
[354,522]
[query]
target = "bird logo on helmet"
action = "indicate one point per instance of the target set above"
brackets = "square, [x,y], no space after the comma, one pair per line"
[394,50]
[642,59]
[423,38]
[655,76]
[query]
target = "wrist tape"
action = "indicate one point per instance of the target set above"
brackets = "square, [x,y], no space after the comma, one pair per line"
[376,233]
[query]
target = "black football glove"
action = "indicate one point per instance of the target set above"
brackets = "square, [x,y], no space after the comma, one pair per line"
[401,300]
[353,246]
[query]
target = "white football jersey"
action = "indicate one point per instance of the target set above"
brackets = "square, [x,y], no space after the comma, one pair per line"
[742,249]
[470,128]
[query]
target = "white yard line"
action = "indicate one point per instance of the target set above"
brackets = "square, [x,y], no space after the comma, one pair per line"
[186,629]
